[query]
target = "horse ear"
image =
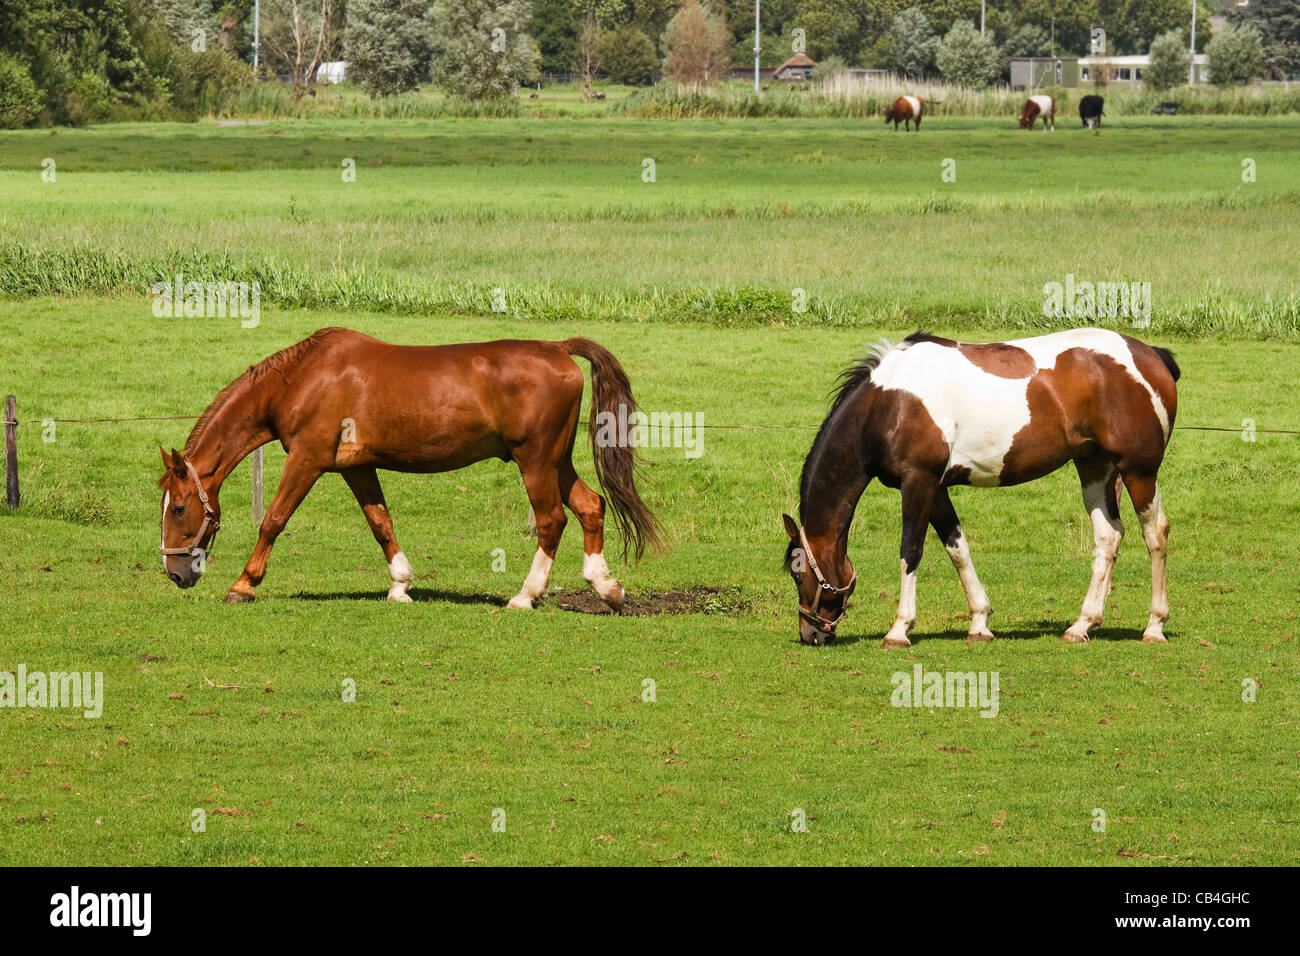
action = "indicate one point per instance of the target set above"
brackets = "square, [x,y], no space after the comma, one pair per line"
[178,463]
[791,528]
[167,462]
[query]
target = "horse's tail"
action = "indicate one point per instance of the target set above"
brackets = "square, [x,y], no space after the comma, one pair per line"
[1167,357]
[616,460]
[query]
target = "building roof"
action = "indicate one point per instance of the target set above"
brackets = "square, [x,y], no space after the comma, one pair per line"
[800,60]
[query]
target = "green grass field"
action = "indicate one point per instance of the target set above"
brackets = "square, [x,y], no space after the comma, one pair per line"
[464,709]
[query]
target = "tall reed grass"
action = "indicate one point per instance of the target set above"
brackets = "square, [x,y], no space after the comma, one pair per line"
[850,97]
[27,272]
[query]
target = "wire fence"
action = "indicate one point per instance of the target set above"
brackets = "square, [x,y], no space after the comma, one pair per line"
[177,418]
[11,424]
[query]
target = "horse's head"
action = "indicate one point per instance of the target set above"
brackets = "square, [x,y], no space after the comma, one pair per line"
[1029,115]
[190,519]
[821,603]
[889,115]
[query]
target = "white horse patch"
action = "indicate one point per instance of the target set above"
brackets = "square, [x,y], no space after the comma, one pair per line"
[980,413]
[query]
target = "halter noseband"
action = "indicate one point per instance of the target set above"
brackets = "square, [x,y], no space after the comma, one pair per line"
[195,548]
[824,589]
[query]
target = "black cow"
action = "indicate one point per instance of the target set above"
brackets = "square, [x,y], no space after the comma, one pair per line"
[1090,110]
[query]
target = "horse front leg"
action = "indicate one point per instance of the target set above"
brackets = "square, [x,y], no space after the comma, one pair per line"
[947,526]
[296,481]
[1097,476]
[364,483]
[918,500]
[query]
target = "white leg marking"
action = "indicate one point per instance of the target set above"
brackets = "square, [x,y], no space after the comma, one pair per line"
[1107,534]
[897,636]
[399,569]
[539,576]
[976,597]
[1155,531]
[596,571]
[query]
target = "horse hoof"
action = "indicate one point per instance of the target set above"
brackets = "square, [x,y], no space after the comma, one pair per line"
[893,642]
[520,603]
[1154,639]
[979,637]
[399,597]
[1073,637]
[237,597]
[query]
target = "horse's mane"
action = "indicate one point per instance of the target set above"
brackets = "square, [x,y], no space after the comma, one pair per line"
[850,380]
[281,362]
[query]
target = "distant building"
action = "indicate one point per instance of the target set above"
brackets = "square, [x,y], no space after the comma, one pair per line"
[334,71]
[1032,73]
[798,67]
[1127,70]
[1035,72]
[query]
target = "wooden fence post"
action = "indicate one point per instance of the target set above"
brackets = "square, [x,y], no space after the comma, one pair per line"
[257,486]
[11,450]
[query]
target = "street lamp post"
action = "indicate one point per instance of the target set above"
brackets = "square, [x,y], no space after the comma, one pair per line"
[1191,69]
[756,44]
[257,17]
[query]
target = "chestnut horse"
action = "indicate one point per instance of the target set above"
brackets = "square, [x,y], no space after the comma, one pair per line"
[343,402]
[906,109]
[929,413]
[1039,106]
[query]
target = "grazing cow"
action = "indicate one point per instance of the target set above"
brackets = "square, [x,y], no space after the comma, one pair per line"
[907,109]
[1090,111]
[1036,106]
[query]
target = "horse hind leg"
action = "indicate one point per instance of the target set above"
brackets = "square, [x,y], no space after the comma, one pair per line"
[590,509]
[364,483]
[1100,499]
[1145,495]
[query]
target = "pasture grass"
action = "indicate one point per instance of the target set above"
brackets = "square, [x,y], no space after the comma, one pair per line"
[463,708]
[741,214]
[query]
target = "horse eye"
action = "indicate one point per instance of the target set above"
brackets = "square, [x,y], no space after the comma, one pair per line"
[178,510]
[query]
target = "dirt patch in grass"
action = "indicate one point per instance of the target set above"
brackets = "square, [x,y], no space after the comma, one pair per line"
[698,600]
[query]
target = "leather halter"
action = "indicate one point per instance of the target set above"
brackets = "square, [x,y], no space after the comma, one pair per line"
[824,589]
[195,548]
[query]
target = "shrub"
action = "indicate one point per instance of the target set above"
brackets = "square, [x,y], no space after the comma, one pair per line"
[1170,61]
[966,58]
[628,56]
[1236,55]
[19,102]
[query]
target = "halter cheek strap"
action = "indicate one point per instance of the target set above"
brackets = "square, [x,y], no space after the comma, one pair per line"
[195,548]
[824,589]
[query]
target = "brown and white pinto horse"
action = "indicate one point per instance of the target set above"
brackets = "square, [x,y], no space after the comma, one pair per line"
[929,413]
[906,109]
[343,402]
[1037,106]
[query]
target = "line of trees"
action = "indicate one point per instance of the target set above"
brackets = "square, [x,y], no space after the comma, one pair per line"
[77,61]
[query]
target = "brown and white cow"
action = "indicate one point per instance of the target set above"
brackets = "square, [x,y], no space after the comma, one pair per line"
[1039,105]
[907,109]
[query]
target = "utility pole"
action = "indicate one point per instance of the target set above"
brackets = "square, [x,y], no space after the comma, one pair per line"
[981,17]
[757,3]
[1191,69]
[257,19]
